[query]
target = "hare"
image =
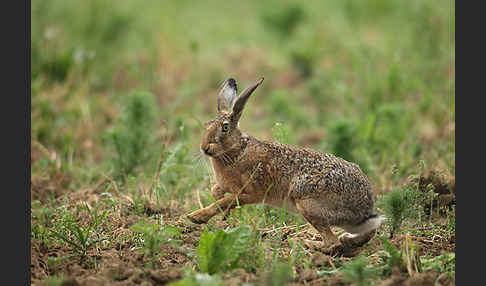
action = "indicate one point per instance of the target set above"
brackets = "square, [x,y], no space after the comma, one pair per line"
[324,189]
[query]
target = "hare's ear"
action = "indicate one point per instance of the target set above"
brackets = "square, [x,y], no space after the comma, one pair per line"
[241,101]
[227,95]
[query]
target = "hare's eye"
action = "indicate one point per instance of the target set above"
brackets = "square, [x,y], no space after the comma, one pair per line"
[225,127]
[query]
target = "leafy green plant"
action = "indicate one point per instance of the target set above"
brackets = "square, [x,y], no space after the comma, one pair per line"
[54,280]
[342,139]
[357,271]
[283,19]
[155,236]
[79,237]
[198,279]
[220,251]
[287,109]
[398,205]
[393,258]
[281,274]
[132,136]
[281,133]
[446,262]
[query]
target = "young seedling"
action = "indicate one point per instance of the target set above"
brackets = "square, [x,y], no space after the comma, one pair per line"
[220,251]
[133,134]
[154,237]
[81,238]
[393,258]
[398,205]
[357,272]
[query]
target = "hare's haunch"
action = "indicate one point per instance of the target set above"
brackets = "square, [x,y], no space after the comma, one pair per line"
[324,189]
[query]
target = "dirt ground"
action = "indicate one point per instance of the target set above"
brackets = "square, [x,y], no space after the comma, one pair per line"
[118,261]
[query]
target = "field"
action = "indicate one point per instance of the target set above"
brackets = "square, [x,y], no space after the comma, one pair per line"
[120,92]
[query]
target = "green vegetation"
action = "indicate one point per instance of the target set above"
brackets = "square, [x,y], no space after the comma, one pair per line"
[120,94]
[220,251]
[154,236]
[198,279]
[398,205]
[79,237]
[393,258]
[132,136]
[357,272]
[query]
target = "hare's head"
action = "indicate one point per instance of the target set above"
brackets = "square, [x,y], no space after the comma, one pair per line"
[222,134]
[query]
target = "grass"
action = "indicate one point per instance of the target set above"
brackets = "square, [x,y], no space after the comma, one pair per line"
[81,238]
[155,236]
[120,94]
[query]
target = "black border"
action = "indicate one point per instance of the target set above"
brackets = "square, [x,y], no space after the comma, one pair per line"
[15,123]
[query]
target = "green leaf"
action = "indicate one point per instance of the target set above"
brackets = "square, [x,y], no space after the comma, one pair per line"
[65,239]
[220,250]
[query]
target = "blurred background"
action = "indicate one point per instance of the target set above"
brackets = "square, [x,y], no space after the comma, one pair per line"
[123,87]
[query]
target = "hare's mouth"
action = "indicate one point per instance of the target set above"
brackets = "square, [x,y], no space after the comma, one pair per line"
[207,151]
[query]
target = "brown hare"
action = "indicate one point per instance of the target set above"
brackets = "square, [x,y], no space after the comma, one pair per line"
[324,189]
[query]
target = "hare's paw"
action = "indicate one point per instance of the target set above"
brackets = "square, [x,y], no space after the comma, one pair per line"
[320,245]
[341,250]
[217,192]
[347,238]
[198,217]
[312,244]
[334,249]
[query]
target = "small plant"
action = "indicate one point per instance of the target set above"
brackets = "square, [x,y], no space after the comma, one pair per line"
[283,19]
[286,108]
[198,279]
[132,136]
[444,263]
[81,238]
[154,237]
[342,136]
[281,133]
[281,274]
[393,258]
[398,205]
[221,251]
[55,280]
[357,272]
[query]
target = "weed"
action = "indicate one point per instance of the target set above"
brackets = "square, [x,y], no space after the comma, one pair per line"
[281,274]
[81,238]
[131,139]
[357,271]
[343,139]
[444,263]
[283,19]
[281,133]
[155,236]
[398,205]
[54,280]
[198,279]
[393,258]
[220,251]
[287,109]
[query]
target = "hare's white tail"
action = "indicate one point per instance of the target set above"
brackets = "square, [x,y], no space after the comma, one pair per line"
[372,223]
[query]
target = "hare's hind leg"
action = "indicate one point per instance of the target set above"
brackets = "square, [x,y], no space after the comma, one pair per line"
[356,240]
[315,213]
[329,239]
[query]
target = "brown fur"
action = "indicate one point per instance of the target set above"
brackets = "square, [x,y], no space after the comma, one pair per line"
[324,189]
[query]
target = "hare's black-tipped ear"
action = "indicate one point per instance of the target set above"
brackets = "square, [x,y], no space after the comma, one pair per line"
[241,101]
[227,95]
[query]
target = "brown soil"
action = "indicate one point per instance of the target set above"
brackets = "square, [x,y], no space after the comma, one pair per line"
[119,261]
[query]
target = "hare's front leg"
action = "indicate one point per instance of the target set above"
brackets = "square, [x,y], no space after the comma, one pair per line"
[217,192]
[224,204]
